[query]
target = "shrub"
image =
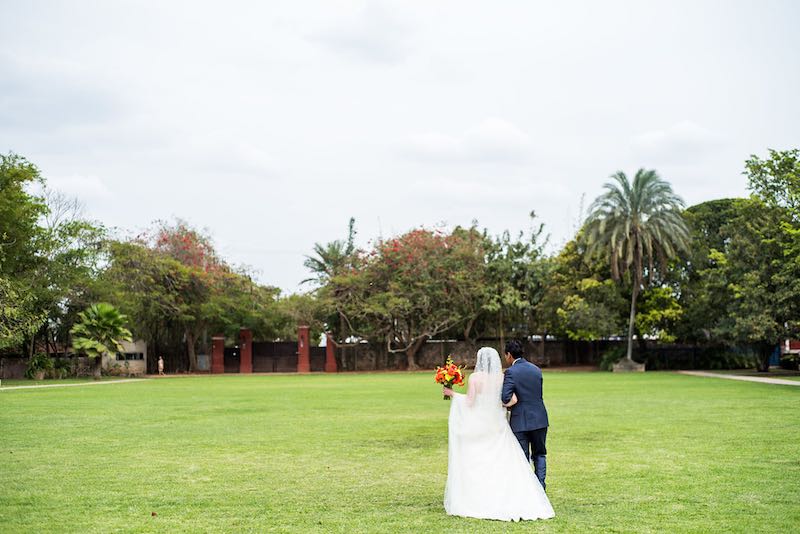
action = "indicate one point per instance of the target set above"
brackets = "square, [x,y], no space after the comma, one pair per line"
[39,364]
[612,356]
[62,368]
[790,361]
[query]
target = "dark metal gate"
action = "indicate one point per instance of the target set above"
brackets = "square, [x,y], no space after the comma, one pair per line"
[317,355]
[281,357]
[275,357]
[232,360]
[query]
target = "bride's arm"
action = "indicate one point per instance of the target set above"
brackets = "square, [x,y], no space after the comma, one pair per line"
[512,402]
[472,389]
[473,384]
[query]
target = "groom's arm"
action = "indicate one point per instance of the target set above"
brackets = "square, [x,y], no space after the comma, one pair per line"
[508,387]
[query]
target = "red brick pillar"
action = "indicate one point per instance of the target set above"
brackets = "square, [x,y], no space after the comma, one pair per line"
[303,350]
[218,354]
[330,355]
[245,350]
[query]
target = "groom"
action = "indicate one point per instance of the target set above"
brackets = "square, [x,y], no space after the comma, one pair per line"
[528,415]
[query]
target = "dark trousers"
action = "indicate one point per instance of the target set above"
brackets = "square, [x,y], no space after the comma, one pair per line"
[533,444]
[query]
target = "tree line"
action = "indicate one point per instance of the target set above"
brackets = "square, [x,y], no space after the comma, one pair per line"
[169,283]
[641,266]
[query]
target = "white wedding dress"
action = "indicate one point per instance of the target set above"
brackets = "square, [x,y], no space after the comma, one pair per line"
[488,476]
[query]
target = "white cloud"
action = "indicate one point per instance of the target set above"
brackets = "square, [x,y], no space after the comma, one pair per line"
[493,141]
[88,189]
[215,156]
[682,143]
[375,33]
[273,123]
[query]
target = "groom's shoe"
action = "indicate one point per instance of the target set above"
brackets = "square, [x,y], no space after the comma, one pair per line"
[540,468]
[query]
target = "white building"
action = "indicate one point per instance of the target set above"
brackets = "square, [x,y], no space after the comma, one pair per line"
[134,354]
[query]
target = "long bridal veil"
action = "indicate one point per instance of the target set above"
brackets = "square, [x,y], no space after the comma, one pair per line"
[488,380]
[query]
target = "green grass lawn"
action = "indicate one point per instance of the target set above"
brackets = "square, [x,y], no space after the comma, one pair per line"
[654,452]
[783,374]
[10,382]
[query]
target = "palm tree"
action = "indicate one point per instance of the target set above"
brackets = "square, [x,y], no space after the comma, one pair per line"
[330,259]
[100,330]
[633,226]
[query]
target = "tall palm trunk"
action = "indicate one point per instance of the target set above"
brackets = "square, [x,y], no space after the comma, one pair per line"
[97,367]
[634,294]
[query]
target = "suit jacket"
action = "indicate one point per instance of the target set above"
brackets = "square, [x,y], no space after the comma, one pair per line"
[525,379]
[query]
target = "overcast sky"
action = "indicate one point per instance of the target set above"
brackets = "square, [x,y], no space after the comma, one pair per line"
[272,123]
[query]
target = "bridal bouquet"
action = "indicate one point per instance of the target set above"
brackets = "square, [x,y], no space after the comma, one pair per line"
[449,375]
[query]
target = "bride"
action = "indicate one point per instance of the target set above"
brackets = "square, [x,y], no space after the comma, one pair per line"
[488,476]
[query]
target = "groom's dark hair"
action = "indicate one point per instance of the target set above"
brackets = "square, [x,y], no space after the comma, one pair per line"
[514,348]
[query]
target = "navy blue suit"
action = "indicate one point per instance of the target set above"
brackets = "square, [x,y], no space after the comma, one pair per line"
[528,416]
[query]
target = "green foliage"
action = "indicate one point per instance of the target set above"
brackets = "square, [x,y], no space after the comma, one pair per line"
[39,363]
[20,239]
[635,225]
[411,288]
[18,316]
[178,292]
[611,356]
[62,368]
[48,257]
[712,357]
[704,292]
[101,330]
[515,277]
[20,211]
[300,309]
[659,311]
[791,361]
[638,227]
[762,307]
[776,179]
[769,295]
[592,311]
[332,258]
[738,288]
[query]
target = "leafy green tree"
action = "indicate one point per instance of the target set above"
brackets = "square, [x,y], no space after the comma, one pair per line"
[203,274]
[637,226]
[72,249]
[412,288]
[20,211]
[762,307]
[515,274]
[738,287]
[175,296]
[703,287]
[18,317]
[300,308]
[659,311]
[149,287]
[776,182]
[776,179]
[48,255]
[100,330]
[20,237]
[589,313]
